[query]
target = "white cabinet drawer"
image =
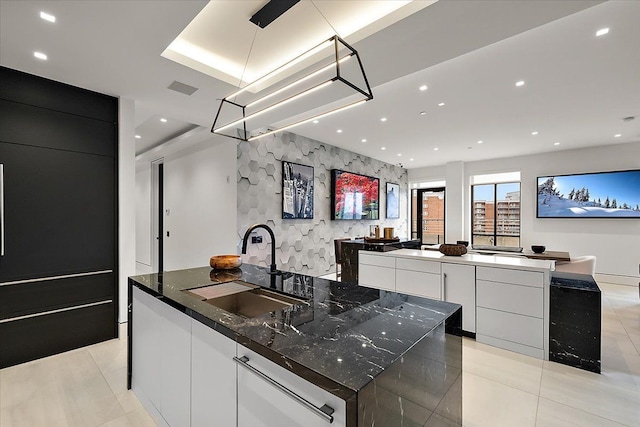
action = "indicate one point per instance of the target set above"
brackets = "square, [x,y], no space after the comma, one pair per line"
[369,258]
[418,283]
[524,300]
[418,265]
[262,403]
[505,275]
[510,327]
[377,277]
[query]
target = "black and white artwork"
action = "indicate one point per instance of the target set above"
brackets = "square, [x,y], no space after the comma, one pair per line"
[297,191]
[393,201]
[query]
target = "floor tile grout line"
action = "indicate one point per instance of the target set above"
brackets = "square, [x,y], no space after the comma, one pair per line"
[124,412]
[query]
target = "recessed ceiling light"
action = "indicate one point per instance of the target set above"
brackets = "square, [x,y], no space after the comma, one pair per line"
[520,83]
[47,17]
[436,149]
[617,135]
[441,104]
[423,113]
[556,143]
[40,55]
[315,122]
[602,32]
[535,132]
[364,140]
[138,137]
[399,154]
[163,120]
[423,88]
[383,148]
[479,142]
[411,160]
[384,119]
[339,131]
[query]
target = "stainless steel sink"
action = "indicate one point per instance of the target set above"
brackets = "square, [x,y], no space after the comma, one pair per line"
[243,299]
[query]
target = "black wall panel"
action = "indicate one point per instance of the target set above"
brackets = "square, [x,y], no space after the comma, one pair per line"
[33,90]
[58,148]
[29,125]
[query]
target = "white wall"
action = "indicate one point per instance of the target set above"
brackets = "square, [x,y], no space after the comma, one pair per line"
[616,242]
[143,218]
[126,201]
[200,196]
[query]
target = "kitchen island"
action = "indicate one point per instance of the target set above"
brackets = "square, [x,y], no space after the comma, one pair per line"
[339,354]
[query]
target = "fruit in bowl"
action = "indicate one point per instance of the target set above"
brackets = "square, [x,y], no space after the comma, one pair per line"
[538,249]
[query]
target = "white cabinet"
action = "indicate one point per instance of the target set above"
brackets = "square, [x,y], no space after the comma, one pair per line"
[213,377]
[376,271]
[161,358]
[271,396]
[459,286]
[511,310]
[418,277]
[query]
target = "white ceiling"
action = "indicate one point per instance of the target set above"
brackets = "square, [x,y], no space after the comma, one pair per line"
[469,53]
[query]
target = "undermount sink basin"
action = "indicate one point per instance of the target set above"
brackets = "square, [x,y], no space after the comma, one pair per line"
[243,299]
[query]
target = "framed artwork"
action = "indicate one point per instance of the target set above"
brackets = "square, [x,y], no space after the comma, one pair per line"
[354,196]
[393,201]
[297,191]
[610,195]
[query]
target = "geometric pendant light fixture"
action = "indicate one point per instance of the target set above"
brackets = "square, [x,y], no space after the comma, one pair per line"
[326,79]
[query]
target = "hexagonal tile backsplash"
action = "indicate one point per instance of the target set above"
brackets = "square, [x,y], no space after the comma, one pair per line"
[304,245]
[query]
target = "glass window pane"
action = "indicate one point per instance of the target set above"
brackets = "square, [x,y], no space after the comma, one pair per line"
[482,205]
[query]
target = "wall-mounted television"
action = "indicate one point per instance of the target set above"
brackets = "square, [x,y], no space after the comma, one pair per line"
[354,196]
[590,195]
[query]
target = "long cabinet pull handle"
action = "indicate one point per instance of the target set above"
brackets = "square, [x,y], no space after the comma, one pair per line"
[1,209]
[325,411]
[444,286]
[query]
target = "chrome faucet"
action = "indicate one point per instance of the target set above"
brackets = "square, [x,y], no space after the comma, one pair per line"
[272,268]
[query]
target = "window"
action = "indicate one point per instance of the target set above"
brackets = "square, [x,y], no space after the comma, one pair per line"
[495,216]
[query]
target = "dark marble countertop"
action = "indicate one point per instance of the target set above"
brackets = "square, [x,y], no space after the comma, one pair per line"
[584,282]
[340,339]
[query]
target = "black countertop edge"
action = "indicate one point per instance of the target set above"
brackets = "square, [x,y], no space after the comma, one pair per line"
[584,282]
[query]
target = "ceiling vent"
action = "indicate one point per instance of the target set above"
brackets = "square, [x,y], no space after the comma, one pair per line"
[182,88]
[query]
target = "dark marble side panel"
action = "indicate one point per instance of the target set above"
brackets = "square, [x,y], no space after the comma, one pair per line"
[575,328]
[349,269]
[423,387]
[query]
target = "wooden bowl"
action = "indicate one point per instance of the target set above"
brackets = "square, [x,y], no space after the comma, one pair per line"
[453,250]
[225,262]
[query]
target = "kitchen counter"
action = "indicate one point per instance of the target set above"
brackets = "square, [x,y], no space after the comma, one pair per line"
[511,262]
[342,339]
[351,248]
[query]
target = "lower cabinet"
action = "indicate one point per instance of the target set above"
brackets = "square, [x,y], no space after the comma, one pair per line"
[213,377]
[161,359]
[459,286]
[377,271]
[187,374]
[511,313]
[271,396]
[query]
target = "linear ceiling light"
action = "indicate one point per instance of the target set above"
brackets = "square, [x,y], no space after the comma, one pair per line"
[333,84]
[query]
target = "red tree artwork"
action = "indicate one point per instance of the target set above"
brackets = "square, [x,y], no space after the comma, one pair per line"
[356,196]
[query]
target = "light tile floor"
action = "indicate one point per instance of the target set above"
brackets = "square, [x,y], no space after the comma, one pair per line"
[87,387]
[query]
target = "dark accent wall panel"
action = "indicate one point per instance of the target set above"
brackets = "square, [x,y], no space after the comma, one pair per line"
[36,297]
[59,212]
[58,147]
[29,125]
[33,90]
[36,337]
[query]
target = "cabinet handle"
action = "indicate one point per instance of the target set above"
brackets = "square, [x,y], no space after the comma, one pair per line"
[1,209]
[325,411]
[444,286]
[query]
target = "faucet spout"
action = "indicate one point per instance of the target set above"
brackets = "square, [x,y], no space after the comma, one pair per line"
[272,268]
